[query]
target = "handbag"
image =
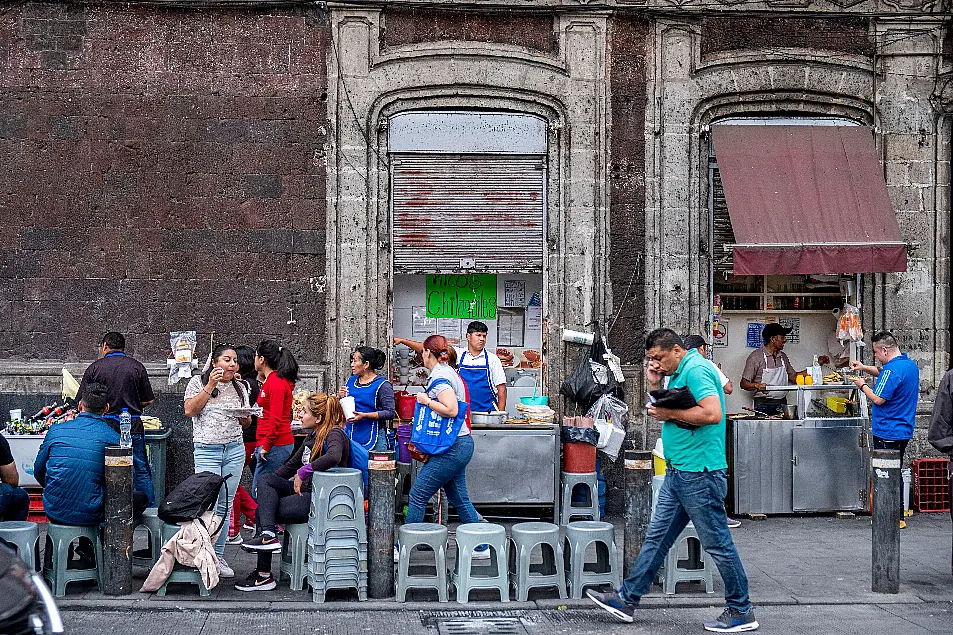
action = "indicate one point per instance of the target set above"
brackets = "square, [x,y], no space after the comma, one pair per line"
[433,433]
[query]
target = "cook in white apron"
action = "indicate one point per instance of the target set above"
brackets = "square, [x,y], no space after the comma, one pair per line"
[770,403]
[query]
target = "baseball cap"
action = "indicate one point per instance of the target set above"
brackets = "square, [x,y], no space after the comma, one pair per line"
[770,330]
[694,341]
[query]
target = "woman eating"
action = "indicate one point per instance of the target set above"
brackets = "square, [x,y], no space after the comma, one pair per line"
[373,398]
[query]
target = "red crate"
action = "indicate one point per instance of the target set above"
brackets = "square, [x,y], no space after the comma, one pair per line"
[931,485]
[35,514]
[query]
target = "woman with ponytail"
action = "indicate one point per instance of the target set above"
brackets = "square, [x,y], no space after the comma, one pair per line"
[275,443]
[373,398]
[282,499]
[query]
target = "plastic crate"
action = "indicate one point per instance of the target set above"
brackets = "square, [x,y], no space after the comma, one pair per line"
[931,485]
[35,513]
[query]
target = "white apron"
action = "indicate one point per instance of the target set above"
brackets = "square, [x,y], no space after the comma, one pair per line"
[774,377]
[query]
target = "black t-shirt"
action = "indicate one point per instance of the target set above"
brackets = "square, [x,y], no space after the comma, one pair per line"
[6,456]
[127,386]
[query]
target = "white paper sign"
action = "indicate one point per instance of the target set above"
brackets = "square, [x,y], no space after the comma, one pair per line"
[514,293]
[534,318]
[423,325]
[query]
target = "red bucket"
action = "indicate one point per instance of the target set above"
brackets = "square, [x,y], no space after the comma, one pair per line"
[405,405]
[579,458]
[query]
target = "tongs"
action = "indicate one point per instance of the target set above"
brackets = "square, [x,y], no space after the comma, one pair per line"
[763,414]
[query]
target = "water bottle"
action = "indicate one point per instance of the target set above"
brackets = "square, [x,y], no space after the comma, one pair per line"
[125,429]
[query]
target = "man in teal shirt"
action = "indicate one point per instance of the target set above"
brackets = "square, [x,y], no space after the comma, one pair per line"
[695,487]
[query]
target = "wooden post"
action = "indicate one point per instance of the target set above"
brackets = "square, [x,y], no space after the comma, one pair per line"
[117,551]
[885,523]
[638,504]
[381,480]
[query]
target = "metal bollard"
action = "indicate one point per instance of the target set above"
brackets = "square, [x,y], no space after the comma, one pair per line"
[885,522]
[117,550]
[638,504]
[381,480]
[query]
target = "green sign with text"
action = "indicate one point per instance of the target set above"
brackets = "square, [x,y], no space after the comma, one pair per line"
[463,296]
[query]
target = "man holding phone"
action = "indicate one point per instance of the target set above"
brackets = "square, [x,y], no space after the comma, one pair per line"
[696,483]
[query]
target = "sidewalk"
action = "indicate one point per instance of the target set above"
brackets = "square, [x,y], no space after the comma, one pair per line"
[790,561]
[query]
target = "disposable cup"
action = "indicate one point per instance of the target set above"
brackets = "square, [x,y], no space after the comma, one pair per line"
[347,405]
[578,337]
[16,414]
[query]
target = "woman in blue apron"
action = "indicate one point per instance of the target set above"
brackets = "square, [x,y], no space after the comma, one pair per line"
[373,398]
[477,378]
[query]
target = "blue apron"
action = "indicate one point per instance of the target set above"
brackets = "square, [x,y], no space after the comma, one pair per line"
[482,390]
[364,432]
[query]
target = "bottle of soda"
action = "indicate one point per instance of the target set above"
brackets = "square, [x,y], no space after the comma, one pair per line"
[43,412]
[125,429]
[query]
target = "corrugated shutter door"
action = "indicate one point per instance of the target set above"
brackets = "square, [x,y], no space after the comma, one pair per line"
[722,261]
[450,207]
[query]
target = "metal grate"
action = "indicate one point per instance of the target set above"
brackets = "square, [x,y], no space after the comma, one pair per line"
[482,626]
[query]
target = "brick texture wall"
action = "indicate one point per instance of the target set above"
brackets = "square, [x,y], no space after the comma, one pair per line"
[842,35]
[162,170]
[416,26]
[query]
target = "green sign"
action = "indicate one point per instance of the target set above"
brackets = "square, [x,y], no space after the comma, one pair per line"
[468,297]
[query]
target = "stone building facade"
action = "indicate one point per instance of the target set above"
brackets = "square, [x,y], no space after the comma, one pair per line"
[223,168]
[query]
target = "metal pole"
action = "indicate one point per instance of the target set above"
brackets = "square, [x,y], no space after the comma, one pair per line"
[885,523]
[117,552]
[381,479]
[638,504]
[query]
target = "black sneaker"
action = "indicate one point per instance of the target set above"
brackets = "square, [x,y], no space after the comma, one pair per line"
[733,621]
[257,582]
[265,541]
[613,602]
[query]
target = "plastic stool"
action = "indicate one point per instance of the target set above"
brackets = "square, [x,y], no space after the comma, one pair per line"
[414,535]
[524,537]
[698,567]
[26,536]
[294,553]
[605,570]
[569,482]
[180,573]
[467,577]
[153,524]
[55,568]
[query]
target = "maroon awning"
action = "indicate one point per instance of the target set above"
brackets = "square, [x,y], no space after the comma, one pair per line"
[807,199]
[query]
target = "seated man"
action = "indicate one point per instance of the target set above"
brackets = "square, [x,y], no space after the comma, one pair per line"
[71,464]
[14,501]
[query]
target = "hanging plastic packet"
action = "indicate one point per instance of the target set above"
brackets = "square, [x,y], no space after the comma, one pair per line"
[848,326]
[182,344]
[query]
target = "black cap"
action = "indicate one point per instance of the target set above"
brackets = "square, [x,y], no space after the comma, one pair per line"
[694,341]
[770,330]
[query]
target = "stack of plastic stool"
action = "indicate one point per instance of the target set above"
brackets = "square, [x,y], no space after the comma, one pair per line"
[294,555]
[606,568]
[180,572]
[591,509]
[410,537]
[26,536]
[56,559]
[337,542]
[466,576]
[153,524]
[699,565]
[524,537]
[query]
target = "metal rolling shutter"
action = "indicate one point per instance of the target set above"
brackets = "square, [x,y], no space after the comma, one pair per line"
[722,260]
[447,208]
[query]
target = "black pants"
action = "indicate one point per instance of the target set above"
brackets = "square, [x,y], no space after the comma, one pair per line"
[887,444]
[278,502]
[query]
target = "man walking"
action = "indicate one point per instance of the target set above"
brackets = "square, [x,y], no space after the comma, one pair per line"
[695,486]
[127,386]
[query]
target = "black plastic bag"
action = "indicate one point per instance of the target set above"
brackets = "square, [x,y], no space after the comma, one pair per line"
[192,497]
[579,435]
[591,378]
[674,398]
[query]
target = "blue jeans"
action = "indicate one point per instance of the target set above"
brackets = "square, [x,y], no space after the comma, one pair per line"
[14,502]
[699,497]
[141,470]
[224,459]
[274,458]
[449,471]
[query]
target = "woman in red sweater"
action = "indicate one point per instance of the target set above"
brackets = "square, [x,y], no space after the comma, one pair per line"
[275,443]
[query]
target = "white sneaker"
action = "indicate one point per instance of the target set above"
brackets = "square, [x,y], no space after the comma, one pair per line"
[224,571]
[234,540]
[732,523]
[249,526]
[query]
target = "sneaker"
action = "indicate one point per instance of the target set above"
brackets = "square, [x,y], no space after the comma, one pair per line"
[234,540]
[224,571]
[613,603]
[733,621]
[481,552]
[256,582]
[265,541]
[733,522]
[249,526]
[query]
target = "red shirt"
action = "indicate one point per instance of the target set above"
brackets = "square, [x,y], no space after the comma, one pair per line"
[274,425]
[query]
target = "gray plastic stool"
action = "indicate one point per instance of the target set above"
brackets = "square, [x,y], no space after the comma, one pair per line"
[698,567]
[466,576]
[569,482]
[26,536]
[414,535]
[153,524]
[294,553]
[524,537]
[56,558]
[605,570]
[180,573]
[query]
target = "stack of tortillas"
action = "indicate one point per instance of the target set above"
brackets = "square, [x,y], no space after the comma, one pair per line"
[536,414]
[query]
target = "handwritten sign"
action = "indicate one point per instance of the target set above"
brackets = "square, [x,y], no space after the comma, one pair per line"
[463,296]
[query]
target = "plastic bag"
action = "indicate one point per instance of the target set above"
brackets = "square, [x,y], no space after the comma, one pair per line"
[848,326]
[610,416]
[182,344]
[591,378]
[579,435]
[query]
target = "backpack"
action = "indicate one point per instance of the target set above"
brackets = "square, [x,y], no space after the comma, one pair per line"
[192,497]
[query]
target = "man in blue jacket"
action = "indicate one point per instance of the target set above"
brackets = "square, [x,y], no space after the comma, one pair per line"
[71,464]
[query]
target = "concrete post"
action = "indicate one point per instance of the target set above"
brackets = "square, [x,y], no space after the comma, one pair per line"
[885,525]
[638,504]
[117,551]
[381,479]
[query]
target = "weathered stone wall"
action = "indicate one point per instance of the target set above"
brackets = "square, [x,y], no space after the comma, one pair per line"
[162,170]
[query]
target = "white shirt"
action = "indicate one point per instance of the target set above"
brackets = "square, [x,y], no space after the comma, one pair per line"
[724,377]
[497,374]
